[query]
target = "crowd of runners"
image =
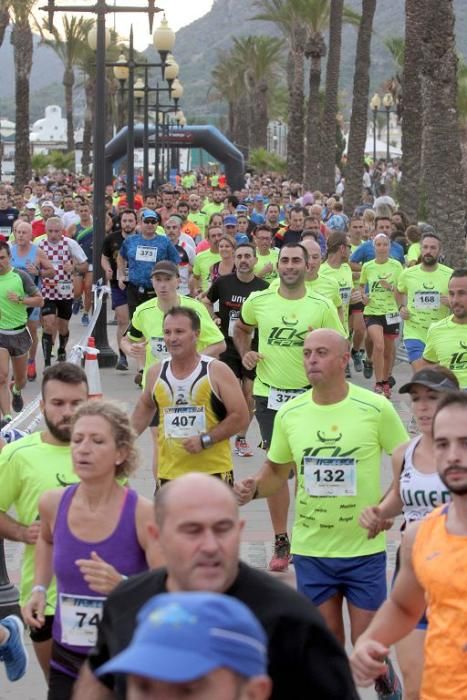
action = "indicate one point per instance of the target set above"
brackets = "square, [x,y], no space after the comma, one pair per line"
[262,304]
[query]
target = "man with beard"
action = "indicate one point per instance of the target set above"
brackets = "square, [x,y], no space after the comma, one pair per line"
[432,575]
[34,464]
[423,297]
[446,341]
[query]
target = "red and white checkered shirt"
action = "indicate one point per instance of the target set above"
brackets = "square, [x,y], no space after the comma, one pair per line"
[61,285]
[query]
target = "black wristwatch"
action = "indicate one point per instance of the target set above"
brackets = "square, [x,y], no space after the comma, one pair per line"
[206,440]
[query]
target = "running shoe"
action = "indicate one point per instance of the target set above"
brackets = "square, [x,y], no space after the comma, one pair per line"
[387,390]
[138,377]
[14,654]
[391,381]
[61,355]
[32,374]
[17,402]
[5,420]
[242,448]
[367,369]
[280,558]
[357,360]
[388,687]
[122,364]
[76,306]
[85,319]
[347,372]
[379,389]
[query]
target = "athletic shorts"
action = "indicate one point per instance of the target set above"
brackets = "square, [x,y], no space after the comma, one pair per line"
[155,420]
[16,344]
[44,633]
[423,622]
[361,580]
[119,297]
[58,307]
[226,477]
[136,297]
[34,314]
[233,360]
[265,417]
[391,330]
[414,348]
[356,308]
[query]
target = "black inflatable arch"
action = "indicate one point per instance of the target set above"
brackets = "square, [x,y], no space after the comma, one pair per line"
[207,137]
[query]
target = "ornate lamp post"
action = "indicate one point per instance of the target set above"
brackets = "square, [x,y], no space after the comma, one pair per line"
[388,102]
[375,104]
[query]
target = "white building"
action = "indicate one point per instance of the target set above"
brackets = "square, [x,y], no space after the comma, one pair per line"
[50,129]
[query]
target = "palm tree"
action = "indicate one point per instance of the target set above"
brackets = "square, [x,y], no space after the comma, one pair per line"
[285,14]
[21,38]
[328,127]
[441,147]
[359,116]
[412,116]
[228,85]
[68,48]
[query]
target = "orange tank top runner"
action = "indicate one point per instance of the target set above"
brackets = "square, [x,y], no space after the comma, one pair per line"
[440,563]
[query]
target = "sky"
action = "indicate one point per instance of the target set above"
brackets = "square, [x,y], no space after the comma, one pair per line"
[178,12]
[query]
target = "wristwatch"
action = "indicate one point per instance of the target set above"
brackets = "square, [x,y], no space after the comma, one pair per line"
[206,440]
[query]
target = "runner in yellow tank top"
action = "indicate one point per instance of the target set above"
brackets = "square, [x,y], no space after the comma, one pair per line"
[200,402]
[433,572]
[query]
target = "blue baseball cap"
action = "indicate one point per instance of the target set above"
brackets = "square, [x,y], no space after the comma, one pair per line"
[183,636]
[150,214]
[230,220]
[259,198]
[241,209]
[241,238]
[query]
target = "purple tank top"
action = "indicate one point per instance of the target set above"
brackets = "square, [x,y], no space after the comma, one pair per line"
[78,607]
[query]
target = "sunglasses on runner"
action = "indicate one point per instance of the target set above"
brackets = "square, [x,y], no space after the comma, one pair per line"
[149,221]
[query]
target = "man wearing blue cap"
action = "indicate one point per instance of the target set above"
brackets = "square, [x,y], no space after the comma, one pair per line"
[207,645]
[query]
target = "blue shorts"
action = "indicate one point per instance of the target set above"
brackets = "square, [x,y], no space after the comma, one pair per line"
[119,297]
[361,580]
[414,348]
[35,314]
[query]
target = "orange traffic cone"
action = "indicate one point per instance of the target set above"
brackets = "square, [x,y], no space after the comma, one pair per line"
[91,367]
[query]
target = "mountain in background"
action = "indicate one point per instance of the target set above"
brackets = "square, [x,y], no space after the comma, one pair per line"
[198,46]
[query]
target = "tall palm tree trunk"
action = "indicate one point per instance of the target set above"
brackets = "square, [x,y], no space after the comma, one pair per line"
[328,126]
[412,111]
[295,78]
[258,135]
[442,153]
[68,83]
[4,18]
[313,119]
[21,38]
[359,117]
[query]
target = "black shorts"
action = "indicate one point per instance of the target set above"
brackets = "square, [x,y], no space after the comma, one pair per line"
[136,297]
[233,360]
[265,417]
[226,477]
[119,297]
[16,344]
[44,633]
[155,419]
[356,308]
[391,330]
[58,307]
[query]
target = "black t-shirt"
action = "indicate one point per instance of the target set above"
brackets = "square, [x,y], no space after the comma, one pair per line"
[288,236]
[7,219]
[111,248]
[231,292]
[305,659]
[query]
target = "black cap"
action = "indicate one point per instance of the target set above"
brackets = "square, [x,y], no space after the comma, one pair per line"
[432,379]
[165,267]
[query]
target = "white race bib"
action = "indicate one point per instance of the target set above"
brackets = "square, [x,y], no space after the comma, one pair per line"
[345,293]
[184,421]
[79,617]
[146,253]
[125,275]
[393,319]
[5,231]
[159,348]
[330,476]
[233,318]
[65,288]
[278,397]
[426,300]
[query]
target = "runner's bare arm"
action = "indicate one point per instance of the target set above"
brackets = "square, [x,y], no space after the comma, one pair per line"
[11,529]
[88,687]
[215,349]
[145,408]
[265,483]
[228,388]
[243,335]
[46,269]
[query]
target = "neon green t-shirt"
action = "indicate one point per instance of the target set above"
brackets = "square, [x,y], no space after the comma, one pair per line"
[337,450]
[324,286]
[200,219]
[446,345]
[343,276]
[283,325]
[147,323]
[413,252]
[272,257]
[14,314]
[28,467]
[381,300]
[212,208]
[424,290]
[202,265]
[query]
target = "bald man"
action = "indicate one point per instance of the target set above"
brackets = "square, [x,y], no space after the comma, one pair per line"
[332,435]
[198,528]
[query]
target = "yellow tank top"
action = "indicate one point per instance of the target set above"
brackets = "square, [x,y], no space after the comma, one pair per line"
[440,563]
[189,407]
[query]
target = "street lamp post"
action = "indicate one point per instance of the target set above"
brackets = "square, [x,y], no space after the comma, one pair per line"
[388,102]
[375,104]
[162,159]
[100,9]
[120,69]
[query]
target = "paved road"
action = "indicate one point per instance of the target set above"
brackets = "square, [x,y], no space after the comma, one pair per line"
[257,541]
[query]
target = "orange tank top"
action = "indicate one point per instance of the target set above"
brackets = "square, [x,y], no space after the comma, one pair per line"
[440,563]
